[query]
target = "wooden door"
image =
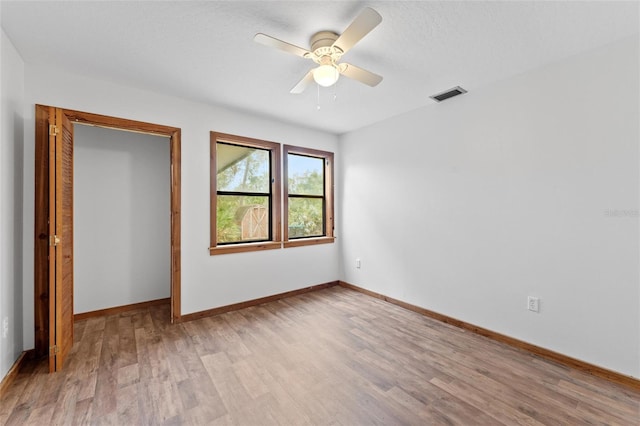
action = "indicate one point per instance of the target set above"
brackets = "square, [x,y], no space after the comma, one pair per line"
[60,224]
[53,259]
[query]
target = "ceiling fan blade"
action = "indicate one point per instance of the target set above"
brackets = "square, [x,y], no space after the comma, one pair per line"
[360,27]
[363,76]
[302,84]
[279,44]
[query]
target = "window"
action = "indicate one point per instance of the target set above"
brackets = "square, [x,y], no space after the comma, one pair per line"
[308,196]
[245,194]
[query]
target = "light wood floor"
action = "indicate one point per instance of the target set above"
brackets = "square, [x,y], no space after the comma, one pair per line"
[334,357]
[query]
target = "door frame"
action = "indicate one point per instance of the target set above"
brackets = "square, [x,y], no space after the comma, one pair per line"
[41,244]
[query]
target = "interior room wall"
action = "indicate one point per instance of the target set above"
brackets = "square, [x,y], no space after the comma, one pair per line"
[527,187]
[11,197]
[122,218]
[207,281]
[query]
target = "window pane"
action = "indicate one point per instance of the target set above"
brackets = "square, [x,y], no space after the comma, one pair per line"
[242,218]
[305,217]
[241,168]
[306,175]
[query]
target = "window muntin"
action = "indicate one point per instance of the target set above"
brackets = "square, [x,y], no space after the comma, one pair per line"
[308,196]
[245,194]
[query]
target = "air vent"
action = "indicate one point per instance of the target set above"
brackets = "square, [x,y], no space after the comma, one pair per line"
[448,94]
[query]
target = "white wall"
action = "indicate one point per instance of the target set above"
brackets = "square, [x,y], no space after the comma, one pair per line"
[207,281]
[527,187]
[11,159]
[122,218]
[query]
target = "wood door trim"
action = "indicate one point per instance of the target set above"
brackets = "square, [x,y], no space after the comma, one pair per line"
[41,294]
[176,197]
[118,123]
[174,134]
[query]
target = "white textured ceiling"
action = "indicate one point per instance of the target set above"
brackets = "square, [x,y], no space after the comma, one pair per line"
[205,50]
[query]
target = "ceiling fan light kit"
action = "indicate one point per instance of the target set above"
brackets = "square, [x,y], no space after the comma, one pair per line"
[326,75]
[327,49]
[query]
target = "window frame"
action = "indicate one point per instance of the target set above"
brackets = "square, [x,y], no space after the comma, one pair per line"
[275,187]
[328,198]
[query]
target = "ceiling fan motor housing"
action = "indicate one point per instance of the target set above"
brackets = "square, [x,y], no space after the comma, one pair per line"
[322,47]
[322,39]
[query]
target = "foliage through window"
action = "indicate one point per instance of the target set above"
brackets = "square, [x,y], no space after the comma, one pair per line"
[244,193]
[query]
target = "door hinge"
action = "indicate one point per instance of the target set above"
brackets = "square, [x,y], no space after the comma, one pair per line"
[53,350]
[54,240]
[54,130]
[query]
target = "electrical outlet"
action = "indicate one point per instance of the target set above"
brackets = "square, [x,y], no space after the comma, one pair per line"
[358,263]
[533,304]
[5,327]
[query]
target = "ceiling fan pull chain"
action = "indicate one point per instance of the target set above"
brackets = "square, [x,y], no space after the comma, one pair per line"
[318,103]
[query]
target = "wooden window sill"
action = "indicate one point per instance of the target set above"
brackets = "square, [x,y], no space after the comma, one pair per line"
[309,241]
[244,247]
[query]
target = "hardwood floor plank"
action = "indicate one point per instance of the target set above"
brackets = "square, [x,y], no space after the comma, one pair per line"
[127,353]
[82,414]
[128,408]
[328,357]
[455,410]
[249,379]
[231,391]
[106,381]
[41,415]
[65,408]
[599,404]
[527,404]
[500,411]
[292,410]
[127,375]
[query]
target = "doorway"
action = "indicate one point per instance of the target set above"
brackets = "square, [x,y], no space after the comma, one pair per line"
[121,221]
[54,222]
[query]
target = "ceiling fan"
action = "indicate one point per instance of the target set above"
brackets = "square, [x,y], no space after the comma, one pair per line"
[326,50]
